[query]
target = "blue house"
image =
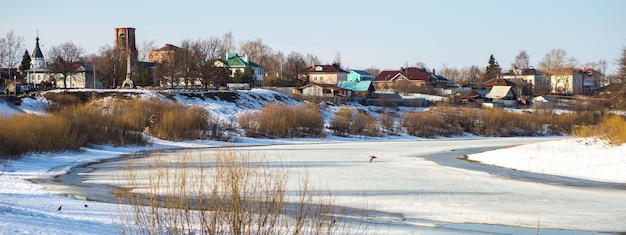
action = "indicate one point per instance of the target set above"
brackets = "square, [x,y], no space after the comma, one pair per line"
[359,75]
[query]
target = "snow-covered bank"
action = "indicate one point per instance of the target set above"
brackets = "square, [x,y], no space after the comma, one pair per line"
[587,158]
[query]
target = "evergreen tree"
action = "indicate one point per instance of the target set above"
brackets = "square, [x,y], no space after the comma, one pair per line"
[245,77]
[493,70]
[25,61]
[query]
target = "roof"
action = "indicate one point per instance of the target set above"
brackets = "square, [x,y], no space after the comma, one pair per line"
[361,72]
[355,86]
[522,72]
[168,47]
[235,60]
[410,73]
[326,86]
[73,67]
[470,95]
[499,82]
[37,53]
[325,68]
[499,92]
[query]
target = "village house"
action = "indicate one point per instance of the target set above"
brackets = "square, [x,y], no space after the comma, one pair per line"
[80,76]
[324,74]
[323,90]
[563,81]
[519,87]
[237,64]
[360,75]
[417,77]
[361,89]
[539,80]
[574,81]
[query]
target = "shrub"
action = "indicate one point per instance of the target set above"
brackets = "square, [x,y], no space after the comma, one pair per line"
[279,120]
[65,129]
[180,123]
[347,121]
[388,123]
[341,122]
[428,124]
[611,128]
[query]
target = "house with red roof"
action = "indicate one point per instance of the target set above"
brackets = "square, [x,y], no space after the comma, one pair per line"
[418,77]
[324,74]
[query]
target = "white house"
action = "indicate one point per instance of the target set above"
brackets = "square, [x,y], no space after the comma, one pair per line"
[237,63]
[81,76]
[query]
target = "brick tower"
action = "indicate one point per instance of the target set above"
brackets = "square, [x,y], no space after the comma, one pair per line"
[125,41]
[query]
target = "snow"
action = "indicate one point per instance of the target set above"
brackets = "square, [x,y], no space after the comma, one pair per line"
[402,180]
[586,158]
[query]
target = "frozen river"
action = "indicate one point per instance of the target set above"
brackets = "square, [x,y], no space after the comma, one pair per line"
[422,186]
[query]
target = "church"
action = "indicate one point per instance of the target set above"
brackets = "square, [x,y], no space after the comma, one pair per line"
[39,76]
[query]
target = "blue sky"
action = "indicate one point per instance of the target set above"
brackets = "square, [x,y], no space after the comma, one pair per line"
[383,34]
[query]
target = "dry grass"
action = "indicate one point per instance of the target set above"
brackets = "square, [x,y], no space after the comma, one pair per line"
[449,121]
[611,128]
[348,121]
[118,122]
[65,129]
[235,194]
[280,121]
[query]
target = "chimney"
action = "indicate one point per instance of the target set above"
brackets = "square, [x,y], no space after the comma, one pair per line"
[434,72]
[245,58]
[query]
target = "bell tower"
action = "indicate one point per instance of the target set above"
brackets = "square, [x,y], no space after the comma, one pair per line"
[125,41]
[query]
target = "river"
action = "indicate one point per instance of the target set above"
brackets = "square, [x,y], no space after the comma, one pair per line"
[419,186]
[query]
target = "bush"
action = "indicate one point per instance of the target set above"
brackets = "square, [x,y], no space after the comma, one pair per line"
[181,123]
[612,129]
[347,121]
[281,121]
[428,125]
[445,121]
[65,129]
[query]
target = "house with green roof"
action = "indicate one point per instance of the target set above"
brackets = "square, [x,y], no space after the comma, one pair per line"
[238,64]
[363,89]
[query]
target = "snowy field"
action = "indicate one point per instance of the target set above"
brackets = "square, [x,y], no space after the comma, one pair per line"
[410,193]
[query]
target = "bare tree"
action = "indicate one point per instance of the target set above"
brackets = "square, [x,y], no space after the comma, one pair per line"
[65,56]
[453,74]
[275,65]
[209,51]
[557,64]
[111,65]
[10,50]
[620,79]
[256,51]
[521,61]
[420,65]
[144,50]
[373,70]
[311,59]
[169,70]
[188,56]
[471,75]
[337,59]
[294,64]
